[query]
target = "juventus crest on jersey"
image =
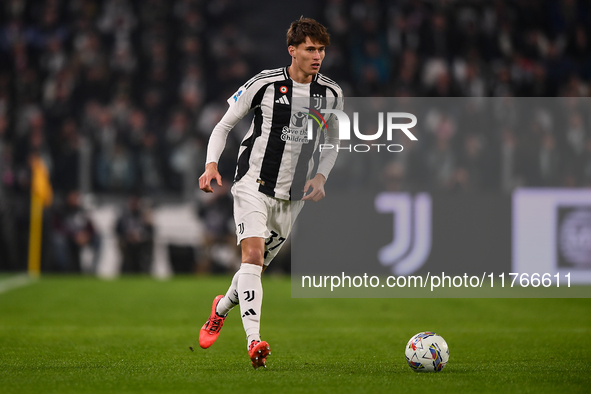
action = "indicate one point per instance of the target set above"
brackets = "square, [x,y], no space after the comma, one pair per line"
[276,153]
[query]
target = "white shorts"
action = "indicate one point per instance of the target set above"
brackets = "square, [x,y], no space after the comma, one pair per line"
[262,216]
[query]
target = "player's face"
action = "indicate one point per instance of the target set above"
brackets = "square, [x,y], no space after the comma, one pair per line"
[308,56]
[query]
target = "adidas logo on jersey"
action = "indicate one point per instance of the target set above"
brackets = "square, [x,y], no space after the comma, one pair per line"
[282,100]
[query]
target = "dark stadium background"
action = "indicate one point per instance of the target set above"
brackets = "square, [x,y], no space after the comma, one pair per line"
[118,99]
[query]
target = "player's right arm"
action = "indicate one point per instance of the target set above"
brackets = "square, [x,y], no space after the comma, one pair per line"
[239,107]
[215,147]
[240,103]
[211,172]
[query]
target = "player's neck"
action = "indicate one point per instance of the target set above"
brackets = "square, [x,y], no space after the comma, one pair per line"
[297,75]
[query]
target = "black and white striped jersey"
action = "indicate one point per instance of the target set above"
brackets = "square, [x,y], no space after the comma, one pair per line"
[275,154]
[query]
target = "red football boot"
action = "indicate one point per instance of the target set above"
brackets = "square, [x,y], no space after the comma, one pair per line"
[258,352]
[211,329]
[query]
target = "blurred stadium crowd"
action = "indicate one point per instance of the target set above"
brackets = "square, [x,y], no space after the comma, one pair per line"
[118,97]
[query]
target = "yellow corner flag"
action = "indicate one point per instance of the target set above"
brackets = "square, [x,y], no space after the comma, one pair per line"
[41,197]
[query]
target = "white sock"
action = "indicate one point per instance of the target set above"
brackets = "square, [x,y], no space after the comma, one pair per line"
[250,294]
[230,300]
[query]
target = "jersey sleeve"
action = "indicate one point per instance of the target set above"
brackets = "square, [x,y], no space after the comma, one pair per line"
[328,157]
[217,140]
[240,103]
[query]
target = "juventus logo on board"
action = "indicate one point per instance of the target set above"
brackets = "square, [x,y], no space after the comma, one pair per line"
[411,245]
[249,295]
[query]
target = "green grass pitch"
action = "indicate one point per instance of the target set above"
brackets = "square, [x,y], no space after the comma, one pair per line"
[132,335]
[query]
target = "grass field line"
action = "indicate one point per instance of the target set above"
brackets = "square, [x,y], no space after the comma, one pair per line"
[15,282]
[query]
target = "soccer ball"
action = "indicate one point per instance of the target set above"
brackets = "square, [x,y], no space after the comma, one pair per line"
[427,352]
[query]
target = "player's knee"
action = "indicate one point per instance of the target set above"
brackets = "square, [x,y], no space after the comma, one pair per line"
[252,256]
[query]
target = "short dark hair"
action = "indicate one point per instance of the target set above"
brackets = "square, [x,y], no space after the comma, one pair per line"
[307,27]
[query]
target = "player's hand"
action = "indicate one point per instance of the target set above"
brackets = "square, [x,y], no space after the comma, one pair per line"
[317,185]
[211,172]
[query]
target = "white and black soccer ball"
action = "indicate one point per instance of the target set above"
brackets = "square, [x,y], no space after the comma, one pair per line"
[427,352]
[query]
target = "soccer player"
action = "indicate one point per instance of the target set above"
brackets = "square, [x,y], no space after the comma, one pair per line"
[273,174]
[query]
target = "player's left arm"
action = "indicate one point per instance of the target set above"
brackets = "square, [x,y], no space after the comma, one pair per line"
[317,186]
[328,157]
